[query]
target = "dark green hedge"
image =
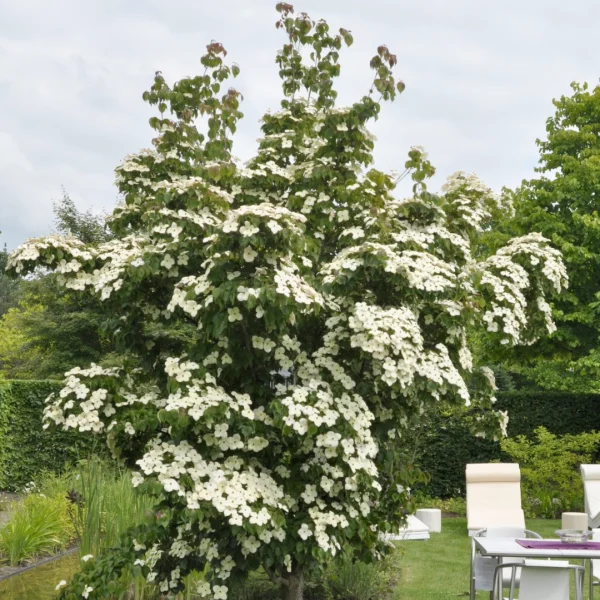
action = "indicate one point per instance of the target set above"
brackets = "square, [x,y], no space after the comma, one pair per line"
[447,444]
[26,448]
[560,413]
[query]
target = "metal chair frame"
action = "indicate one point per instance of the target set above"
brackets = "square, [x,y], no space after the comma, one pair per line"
[480,533]
[578,571]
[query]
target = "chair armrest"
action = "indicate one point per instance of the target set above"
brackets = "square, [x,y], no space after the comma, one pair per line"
[532,534]
[505,565]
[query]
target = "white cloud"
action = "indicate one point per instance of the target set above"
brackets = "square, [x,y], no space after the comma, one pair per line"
[480,78]
[11,156]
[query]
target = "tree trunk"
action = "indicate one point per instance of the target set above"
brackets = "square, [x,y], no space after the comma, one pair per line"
[294,587]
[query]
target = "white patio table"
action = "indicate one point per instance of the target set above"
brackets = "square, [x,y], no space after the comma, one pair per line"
[509,548]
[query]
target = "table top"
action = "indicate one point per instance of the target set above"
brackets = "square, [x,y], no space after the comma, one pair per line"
[504,547]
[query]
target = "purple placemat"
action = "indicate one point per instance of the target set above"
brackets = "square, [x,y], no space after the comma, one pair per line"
[558,545]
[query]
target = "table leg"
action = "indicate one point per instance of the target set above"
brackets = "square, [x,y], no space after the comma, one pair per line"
[472,590]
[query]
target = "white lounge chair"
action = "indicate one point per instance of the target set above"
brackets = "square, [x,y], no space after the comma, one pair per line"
[591,490]
[493,496]
[542,580]
[414,529]
[482,567]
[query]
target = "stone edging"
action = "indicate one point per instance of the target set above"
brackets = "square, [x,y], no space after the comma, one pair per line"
[39,563]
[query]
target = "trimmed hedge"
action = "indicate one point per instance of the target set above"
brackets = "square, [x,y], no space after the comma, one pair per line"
[447,444]
[26,448]
[558,412]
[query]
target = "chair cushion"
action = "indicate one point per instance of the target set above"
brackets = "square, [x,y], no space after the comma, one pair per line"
[492,472]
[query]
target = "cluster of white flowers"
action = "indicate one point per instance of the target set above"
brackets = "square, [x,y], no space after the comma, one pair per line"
[422,270]
[200,220]
[355,233]
[74,254]
[238,491]
[309,200]
[509,283]
[428,237]
[472,199]
[436,366]
[138,172]
[320,407]
[190,285]
[196,397]
[180,370]
[291,284]
[276,218]
[111,262]
[78,406]
[392,336]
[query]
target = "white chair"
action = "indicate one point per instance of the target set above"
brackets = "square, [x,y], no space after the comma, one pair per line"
[483,567]
[541,580]
[493,496]
[591,489]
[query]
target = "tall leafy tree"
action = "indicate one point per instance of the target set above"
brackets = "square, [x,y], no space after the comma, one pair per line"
[87,226]
[291,319]
[563,204]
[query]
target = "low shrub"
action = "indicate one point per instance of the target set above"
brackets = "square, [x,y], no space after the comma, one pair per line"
[550,478]
[347,580]
[342,580]
[39,525]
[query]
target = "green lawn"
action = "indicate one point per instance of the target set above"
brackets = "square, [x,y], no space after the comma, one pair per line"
[438,569]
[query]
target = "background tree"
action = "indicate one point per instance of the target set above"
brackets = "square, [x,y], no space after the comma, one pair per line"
[88,226]
[8,285]
[563,204]
[290,321]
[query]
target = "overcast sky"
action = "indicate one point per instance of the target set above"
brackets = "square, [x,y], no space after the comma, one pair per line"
[480,79]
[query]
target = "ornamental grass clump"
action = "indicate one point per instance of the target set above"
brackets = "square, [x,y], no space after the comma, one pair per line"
[39,526]
[285,323]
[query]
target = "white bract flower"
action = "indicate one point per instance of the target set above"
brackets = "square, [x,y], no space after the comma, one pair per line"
[250,254]
[234,314]
[305,532]
[248,229]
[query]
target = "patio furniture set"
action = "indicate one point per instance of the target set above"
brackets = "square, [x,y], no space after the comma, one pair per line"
[506,556]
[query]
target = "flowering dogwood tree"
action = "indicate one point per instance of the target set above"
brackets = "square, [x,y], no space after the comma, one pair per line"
[288,321]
